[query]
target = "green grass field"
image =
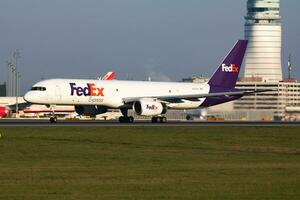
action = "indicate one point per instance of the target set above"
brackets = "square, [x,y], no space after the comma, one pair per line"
[149,163]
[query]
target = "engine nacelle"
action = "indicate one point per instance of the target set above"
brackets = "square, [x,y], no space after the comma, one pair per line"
[149,107]
[3,112]
[90,110]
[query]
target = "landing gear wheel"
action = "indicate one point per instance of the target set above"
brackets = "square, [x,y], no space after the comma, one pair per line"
[154,120]
[53,119]
[159,120]
[126,119]
[131,119]
[121,119]
[163,120]
[188,117]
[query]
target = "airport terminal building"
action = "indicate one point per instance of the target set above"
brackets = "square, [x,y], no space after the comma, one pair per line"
[281,102]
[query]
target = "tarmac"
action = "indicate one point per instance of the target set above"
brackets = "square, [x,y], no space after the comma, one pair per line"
[137,123]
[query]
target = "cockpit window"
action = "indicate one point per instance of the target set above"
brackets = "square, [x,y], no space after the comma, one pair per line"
[38,88]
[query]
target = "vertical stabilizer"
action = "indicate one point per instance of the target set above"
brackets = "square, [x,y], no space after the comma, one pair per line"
[227,74]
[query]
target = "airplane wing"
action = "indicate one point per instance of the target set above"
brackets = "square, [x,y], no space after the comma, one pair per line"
[21,106]
[10,102]
[196,97]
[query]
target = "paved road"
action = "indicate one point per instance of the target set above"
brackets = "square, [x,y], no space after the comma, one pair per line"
[39,123]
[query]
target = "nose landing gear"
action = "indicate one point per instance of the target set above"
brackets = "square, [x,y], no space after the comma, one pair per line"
[53,117]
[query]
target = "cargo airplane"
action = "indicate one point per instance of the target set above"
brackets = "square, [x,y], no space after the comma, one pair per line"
[152,99]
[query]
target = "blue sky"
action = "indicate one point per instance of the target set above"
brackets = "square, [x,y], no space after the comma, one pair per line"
[168,39]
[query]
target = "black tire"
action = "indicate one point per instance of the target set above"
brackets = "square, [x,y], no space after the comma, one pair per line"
[131,119]
[53,119]
[163,120]
[121,119]
[159,120]
[154,120]
[126,119]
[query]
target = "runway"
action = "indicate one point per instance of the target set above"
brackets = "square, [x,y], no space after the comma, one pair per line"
[138,123]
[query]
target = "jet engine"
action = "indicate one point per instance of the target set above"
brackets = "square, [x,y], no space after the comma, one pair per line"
[90,110]
[149,107]
[3,112]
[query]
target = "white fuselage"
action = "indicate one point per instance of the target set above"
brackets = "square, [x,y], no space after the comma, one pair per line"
[111,93]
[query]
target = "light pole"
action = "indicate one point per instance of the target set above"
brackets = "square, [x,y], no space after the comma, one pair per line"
[19,85]
[16,56]
[10,80]
[17,92]
[13,72]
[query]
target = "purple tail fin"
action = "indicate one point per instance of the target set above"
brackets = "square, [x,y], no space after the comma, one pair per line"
[228,72]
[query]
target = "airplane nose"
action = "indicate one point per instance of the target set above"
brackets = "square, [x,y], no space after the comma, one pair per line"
[27,97]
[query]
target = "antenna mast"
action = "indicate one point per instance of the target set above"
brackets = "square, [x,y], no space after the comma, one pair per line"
[290,66]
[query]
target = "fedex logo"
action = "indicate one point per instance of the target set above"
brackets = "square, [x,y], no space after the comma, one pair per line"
[233,68]
[152,107]
[89,90]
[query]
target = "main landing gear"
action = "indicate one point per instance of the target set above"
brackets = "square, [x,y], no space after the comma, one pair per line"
[129,119]
[125,118]
[159,120]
